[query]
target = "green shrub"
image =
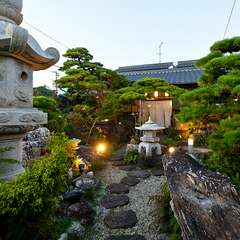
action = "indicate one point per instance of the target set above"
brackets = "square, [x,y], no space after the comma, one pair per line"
[171,138]
[131,156]
[225,142]
[32,195]
[166,218]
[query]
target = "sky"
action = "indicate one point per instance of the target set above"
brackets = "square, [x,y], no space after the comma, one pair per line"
[128,32]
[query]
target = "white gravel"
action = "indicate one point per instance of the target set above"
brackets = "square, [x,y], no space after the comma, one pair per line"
[141,202]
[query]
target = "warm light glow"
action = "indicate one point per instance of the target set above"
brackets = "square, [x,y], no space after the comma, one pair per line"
[156,94]
[190,142]
[146,94]
[106,120]
[166,94]
[172,150]
[101,148]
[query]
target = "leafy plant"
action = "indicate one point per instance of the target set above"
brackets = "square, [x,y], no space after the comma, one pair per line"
[131,156]
[33,194]
[165,216]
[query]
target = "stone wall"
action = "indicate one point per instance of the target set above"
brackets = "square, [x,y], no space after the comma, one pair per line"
[206,204]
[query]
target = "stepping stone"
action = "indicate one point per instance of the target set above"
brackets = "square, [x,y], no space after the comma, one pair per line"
[118,188]
[139,174]
[158,173]
[130,181]
[126,237]
[128,168]
[123,219]
[118,163]
[113,201]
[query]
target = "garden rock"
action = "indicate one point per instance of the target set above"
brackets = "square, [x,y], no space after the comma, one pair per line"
[123,219]
[157,172]
[130,181]
[118,188]
[76,230]
[118,163]
[85,183]
[128,168]
[113,201]
[64,236]
[72,196]
[206,203]
[34,143]
[83,210]
[139,174]
[126,237]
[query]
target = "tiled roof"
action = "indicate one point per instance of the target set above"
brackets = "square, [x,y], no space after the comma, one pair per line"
[183,72]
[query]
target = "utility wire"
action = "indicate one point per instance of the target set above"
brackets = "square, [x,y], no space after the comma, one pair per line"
[46,35]
[229,19]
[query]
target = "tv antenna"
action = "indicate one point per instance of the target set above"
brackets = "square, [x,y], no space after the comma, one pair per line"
[160,52]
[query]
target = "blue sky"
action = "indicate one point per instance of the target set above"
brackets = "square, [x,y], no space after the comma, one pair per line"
[128,32]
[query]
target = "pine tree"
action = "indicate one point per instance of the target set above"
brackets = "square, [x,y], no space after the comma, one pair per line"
[215,105]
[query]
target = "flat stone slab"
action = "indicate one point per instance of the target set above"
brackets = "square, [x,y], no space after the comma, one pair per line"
[118,188]
[128,168]
[130,181]
[126,237]
[123,219]
[118,163]
[158,173]
[113,201]
[139,174]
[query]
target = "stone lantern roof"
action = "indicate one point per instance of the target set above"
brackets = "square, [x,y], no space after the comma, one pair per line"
[17,43]
[150,126]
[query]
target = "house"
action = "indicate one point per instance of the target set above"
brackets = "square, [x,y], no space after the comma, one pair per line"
[183,74]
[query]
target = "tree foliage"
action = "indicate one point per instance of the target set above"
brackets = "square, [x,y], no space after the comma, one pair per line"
[118,101]
[85,78]
[215,104]
[85,85]
[56,121]
[44,91]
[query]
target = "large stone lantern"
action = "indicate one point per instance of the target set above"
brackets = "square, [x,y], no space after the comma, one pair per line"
[20,55]
[150,142]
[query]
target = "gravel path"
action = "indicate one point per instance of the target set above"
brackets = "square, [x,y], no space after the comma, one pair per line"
[141,202]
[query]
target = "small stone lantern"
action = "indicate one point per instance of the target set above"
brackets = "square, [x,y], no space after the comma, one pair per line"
[149,141]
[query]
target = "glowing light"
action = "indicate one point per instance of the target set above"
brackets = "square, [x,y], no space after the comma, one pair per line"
[106,120]
[190,145]
[156,94]
[190,142]
[145,94]
[166,94]
[101,148]
[172,150]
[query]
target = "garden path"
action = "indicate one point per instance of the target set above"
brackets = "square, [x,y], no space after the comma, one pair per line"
[128,210]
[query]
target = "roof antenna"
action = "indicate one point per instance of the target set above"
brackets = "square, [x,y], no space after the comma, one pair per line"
[159,53]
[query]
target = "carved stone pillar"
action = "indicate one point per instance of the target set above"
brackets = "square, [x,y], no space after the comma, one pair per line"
[20,55]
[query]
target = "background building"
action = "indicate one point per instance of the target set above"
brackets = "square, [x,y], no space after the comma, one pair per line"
[183,74]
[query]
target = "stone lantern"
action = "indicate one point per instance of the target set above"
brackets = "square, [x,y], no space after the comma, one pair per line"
[20,55]
[150,142]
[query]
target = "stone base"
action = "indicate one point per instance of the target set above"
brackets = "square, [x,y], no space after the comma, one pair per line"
[149,148]
[10,161]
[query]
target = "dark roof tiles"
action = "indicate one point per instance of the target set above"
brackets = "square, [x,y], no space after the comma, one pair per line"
[183,72]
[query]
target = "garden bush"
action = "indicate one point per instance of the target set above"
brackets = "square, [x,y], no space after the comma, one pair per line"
[131,156]
[30,196]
